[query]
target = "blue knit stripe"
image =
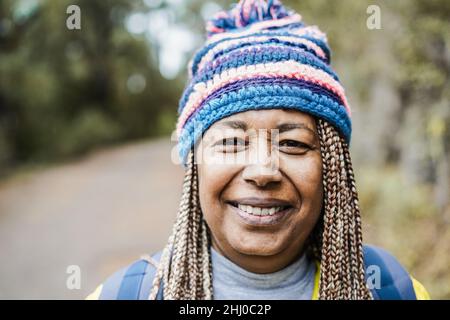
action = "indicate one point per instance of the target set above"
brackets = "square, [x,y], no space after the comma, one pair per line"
[259,98]
[254,58]
[321,44]
[267,90]
[199,55]
[272,81]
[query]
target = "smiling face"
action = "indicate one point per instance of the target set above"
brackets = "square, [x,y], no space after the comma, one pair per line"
[260,186]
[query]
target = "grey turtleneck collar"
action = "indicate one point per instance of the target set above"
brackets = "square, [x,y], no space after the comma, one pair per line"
[230,281]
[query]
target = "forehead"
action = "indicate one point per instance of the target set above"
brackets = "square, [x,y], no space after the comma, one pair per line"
[266,119]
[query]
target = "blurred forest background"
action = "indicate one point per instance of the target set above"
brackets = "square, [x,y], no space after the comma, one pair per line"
[65,94]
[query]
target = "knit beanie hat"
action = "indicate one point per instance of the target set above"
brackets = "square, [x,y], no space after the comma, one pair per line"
[259,55]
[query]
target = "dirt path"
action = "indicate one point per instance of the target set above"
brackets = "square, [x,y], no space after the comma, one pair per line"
[99,213]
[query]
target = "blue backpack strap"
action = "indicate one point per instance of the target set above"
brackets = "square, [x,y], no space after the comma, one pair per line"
[396,283]
[132,281]
[147,281]
[110,287]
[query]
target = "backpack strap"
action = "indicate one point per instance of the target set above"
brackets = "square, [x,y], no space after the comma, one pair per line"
[395,282]
[147,280]
[138,279]
[133,282]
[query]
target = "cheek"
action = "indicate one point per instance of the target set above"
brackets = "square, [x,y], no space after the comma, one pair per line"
[306,175]
[212,181]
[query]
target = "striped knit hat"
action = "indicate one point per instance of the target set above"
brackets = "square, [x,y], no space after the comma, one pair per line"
[259,55]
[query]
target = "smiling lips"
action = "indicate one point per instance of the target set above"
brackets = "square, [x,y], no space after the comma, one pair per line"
[256,211]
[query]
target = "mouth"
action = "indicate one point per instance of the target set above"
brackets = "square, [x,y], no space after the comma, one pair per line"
[261,212]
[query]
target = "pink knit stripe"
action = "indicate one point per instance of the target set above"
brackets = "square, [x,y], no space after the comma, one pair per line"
[213,28]
[226,44]
[246,8]
[285,69]
[254,27]
[312,31]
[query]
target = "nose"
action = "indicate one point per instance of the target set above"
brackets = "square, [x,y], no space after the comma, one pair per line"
[263,170]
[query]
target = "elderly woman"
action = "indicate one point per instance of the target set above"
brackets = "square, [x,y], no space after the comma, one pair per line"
[269,208]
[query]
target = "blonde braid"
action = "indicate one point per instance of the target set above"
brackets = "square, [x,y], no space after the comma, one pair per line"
[342,265]
[185,267]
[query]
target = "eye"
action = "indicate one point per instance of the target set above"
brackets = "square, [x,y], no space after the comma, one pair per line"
[234,144]
[293,146]
[233,141]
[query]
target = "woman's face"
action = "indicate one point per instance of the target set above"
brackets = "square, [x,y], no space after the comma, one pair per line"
[260,186]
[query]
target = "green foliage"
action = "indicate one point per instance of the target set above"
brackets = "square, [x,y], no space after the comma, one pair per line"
[64,92]
[404,218]
[89,129]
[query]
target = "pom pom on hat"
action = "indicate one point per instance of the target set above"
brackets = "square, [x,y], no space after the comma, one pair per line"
[248,12]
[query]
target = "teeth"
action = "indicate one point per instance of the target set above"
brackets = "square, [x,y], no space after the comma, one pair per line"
[259,211]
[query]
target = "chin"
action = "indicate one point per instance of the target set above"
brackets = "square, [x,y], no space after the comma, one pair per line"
[256,246]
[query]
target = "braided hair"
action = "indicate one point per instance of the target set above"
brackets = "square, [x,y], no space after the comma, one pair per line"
[185,270]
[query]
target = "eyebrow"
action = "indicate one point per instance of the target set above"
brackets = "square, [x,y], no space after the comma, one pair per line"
[291,126]
[235,124]
[283,127]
